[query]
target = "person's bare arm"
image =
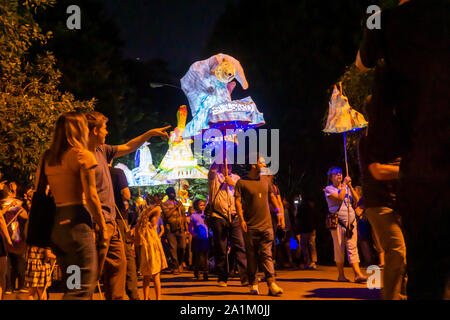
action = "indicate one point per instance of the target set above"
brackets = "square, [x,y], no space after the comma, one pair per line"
[240,212]
[23,213]
[92,199]
[212,173]
[359,211]
[280,202]
[125,192]
[135,143]
[161,232]
[359,64]
[3,228]
[384,171]
[229,181]
[279,211]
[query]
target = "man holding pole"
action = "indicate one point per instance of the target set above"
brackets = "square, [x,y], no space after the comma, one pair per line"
[225,223]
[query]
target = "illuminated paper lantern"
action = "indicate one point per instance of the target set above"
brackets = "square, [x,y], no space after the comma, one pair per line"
[341,116]
[144,171]
[179,163]
[208,86]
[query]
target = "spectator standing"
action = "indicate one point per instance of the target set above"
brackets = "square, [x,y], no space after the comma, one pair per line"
[367,237]
[341,199]
[112,259]
[69,169]
[276,210]
[16,218]
[175,226]
[413,45]
[5,239]
[38,275]
[379,165]
[307,223]
[121,194]
[130,213]
[153,260]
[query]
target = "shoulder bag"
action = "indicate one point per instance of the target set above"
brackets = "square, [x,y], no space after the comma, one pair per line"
[42,213]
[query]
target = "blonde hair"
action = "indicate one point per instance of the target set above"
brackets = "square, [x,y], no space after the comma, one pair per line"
[71,131]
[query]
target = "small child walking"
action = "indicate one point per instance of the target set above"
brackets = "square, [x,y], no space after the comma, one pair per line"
[153,259]
[200,241]
[38,272]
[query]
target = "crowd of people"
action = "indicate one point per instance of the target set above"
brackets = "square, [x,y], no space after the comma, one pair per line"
[247,225]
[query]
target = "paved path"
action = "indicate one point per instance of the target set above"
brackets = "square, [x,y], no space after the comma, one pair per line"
[317,284]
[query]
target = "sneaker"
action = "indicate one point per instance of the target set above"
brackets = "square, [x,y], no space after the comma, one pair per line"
[254,289]
[302,266]
[275,290]
[175,272]
[23,291]
[311,266]
[222,284]
[8,292]
[245,283]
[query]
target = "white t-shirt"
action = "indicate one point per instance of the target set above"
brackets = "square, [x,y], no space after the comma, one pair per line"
[334,205]
[223,198]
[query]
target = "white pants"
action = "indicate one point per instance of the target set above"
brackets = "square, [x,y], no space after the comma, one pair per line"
[340,242]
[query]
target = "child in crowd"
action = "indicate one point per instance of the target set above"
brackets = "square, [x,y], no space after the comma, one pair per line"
[188,256]
[200,241]
[153,259]
[38,273]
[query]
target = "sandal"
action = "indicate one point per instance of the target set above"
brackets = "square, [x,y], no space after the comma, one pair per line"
[344,279]
[360,279]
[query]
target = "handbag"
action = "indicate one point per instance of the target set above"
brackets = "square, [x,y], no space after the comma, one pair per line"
[42,213]
[331,221]
[209,209]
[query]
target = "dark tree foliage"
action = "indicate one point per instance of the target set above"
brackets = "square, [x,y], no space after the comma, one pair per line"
[30,98]
[92,65]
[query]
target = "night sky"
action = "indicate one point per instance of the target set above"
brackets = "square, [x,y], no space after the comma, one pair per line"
[176,31]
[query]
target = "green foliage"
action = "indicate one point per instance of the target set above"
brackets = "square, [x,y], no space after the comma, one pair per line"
[198,189]
[30,101]
[357,86]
